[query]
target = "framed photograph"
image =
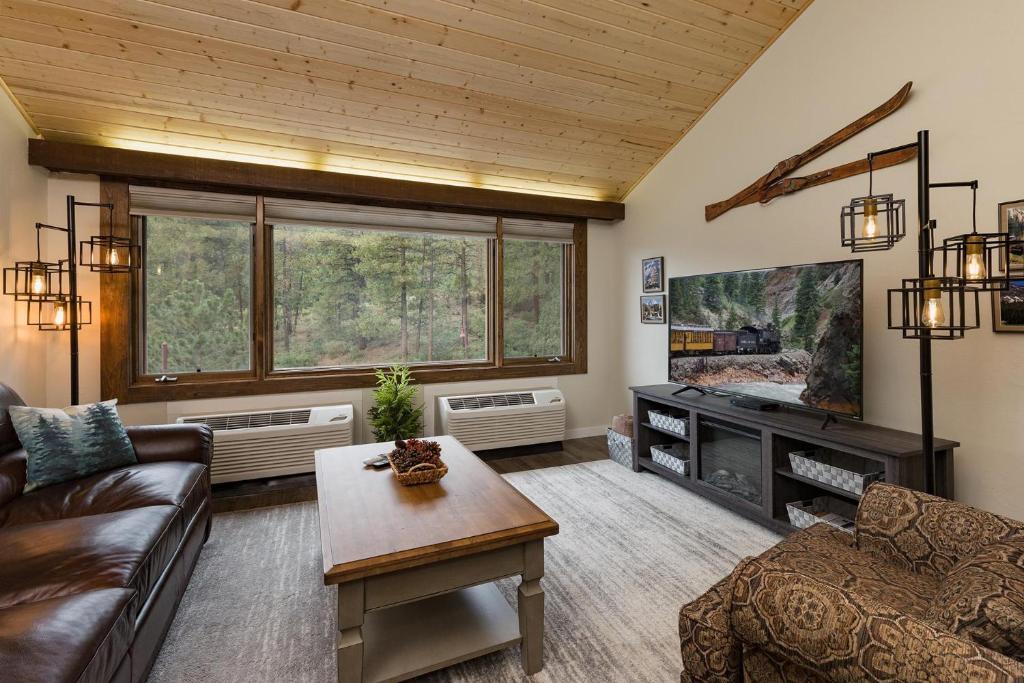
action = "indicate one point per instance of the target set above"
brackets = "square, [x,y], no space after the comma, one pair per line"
[652,309]
[1011,220]
[654,274]
[1008,308]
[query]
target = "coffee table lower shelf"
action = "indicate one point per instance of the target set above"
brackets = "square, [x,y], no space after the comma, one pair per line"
[414,638]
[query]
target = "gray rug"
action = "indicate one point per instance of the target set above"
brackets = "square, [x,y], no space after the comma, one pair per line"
[632,549]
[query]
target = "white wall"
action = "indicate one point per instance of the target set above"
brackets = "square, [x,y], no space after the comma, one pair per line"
[838,61]
[22,204]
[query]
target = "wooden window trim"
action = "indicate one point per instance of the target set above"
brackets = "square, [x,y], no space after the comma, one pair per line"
[121,327]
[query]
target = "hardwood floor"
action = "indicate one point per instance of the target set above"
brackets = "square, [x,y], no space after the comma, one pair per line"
[283,490]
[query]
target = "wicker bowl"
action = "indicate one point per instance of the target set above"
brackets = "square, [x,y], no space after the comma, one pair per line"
[423,473]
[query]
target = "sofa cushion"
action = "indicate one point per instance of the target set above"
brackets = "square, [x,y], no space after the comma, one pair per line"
[71,443]
[828,554]
[182,484]
[127,549]
[982,598]
[80,637]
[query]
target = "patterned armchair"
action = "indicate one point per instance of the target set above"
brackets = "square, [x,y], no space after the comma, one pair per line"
[925,590]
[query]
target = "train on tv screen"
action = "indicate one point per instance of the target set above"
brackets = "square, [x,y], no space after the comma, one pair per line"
[790,335]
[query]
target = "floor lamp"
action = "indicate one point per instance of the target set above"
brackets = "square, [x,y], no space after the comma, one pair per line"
[931,306]
[50,288]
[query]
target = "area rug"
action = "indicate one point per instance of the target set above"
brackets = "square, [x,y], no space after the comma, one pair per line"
[632,549]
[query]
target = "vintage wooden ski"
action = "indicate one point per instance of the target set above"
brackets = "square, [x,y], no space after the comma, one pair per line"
[753,192]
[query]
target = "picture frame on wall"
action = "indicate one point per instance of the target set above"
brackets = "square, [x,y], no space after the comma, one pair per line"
[1008,308]
[652,309]
[653,270]
[1011,220]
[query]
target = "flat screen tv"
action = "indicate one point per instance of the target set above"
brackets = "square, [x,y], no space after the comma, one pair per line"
[791,335]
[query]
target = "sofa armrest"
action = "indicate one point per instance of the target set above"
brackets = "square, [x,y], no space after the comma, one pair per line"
[842,636]
[710,651]
[162,443]
[923,533]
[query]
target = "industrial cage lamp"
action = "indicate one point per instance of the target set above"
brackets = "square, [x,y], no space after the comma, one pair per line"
[36,280]
[974,257]
[108,253]
[875,222]
[55,316]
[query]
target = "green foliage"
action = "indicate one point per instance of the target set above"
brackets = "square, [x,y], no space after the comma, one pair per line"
[776,317]
[852,368]
[394,415]
[533,299]
[808,308]
[341,297]
[712,293]
[197,294]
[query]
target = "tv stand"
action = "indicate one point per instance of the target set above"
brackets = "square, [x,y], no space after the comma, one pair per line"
[753,403]
[739,458]
[689,388]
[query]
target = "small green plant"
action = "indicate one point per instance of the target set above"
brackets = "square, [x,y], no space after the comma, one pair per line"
[394,415]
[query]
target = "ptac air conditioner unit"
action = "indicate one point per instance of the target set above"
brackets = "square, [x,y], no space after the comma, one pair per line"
[273,443]
[483,421]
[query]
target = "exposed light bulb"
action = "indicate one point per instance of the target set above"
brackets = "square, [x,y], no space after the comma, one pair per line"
[974,267]
[58,315]
[932,312]
[870,228]
[113,257]
[38,284]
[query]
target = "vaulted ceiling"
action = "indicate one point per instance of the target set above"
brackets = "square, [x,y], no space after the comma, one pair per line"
[576,98]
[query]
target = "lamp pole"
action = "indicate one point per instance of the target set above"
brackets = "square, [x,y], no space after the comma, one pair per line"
[73,293]
[924,245]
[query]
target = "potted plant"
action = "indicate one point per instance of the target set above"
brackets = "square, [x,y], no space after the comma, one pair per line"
[394,416]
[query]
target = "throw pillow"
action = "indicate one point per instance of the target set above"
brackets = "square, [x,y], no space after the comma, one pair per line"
[982,598]
[71,443]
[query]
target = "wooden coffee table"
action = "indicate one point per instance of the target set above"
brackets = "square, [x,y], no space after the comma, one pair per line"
[415,565]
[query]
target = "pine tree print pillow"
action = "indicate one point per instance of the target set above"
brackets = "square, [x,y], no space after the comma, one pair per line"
[71,443]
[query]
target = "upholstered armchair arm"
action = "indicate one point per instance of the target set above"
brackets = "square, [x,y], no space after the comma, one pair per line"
[842,636]
[160,443]
[923,533]
[710,651]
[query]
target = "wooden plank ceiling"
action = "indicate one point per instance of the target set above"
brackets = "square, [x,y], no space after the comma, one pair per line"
[575,98]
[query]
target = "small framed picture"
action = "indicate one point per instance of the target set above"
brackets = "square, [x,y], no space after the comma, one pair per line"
[652,309]
[1011,220]
[1008,308]
[654,274]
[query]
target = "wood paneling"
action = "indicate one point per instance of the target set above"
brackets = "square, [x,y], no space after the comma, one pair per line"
[574,98]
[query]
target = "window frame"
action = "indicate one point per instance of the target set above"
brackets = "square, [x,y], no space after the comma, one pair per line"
[122,340]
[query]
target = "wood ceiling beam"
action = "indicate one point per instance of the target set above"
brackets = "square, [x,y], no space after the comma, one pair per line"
[136,166]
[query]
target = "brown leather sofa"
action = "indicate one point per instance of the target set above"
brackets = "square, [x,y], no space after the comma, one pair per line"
[910,597]
[92,570]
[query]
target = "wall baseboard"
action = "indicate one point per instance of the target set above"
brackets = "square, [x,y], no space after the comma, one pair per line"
[584,432]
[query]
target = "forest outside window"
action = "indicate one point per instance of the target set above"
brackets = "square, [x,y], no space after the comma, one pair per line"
[348,298]
[247,294]
[197,295]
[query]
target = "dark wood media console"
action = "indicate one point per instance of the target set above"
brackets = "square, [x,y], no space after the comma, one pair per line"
[739,457]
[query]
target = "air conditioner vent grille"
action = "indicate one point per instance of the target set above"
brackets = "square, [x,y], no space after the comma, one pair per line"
[275,418]
[491,401]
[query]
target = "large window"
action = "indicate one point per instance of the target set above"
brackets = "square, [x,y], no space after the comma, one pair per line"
[352,298]
[197,295]
[534,299]
[246,294]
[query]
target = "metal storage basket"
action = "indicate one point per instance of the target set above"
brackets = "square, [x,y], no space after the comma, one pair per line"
[620,448]
[838,513]
[842,470]
[676,425]
[675,456]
